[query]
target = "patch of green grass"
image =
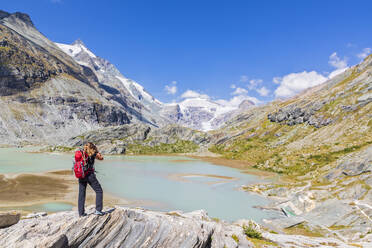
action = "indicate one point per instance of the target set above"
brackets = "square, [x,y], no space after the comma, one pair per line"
[350,78]
[234,237]
[251,232]
[60,149]
[370,123]
[326,158]
[302,229]
[338,227]
[18,115]
[260,243]
[181,146]
[4,49]
[216,219]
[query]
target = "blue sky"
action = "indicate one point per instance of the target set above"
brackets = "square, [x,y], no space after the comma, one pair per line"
[219,49]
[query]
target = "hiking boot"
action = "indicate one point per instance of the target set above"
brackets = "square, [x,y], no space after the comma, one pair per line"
[82,215]
[99,213]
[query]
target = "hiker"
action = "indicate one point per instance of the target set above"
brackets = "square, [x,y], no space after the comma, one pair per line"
[90,153]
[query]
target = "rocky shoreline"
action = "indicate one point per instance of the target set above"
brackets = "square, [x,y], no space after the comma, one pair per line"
[339,206]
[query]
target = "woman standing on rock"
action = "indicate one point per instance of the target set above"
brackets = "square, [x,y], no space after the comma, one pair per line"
[90,153]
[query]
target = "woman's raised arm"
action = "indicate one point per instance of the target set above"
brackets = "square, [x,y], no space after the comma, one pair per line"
[99,156]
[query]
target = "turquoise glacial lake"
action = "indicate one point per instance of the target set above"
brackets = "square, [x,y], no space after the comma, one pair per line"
[164,183]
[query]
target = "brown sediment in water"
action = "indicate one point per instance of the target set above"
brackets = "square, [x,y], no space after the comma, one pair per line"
[184,177]
[244,166]
[206,175]
[181,160]
[62,172]
[238,164]
[29,189]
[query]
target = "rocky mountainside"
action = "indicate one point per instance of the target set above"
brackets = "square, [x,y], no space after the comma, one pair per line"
[320,141]
[142,139]
[115,87]
[47,96]
[124,227]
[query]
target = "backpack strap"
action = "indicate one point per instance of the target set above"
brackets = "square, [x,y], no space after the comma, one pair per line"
[84,158]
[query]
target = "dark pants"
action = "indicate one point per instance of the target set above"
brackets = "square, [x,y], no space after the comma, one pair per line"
[93,182]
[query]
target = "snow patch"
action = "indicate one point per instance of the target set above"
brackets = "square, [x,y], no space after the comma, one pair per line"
[75,49]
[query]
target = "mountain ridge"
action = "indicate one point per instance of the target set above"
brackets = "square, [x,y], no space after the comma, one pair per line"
[198,113]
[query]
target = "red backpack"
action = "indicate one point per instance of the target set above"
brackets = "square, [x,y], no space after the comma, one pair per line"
[80,168]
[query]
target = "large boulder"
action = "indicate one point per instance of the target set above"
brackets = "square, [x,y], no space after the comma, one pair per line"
[8,219]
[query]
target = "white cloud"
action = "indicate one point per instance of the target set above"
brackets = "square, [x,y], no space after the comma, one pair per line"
[277,80]
[336,72]
[235,101]
[171,89]
[194,94]
[294,83]
[263,91]
[243,78]
[253,83]
[339,64]
[366,51]
[240,94]
[336,62]
[233,86]
[240,91]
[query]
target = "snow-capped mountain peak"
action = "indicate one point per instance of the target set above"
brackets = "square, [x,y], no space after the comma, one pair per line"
[201,113]
[138,91]
[75,48]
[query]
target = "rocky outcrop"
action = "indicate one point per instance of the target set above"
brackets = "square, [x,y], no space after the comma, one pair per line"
[293,115]
[115,140]
[171,133]
[354,165]
[123,227]
[8,219]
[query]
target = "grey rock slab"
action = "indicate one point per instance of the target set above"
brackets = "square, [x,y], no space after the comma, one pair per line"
[355,192]
[290,241]
[365,98]
[122,227]
[329,212]
[36,215]
[286,222]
